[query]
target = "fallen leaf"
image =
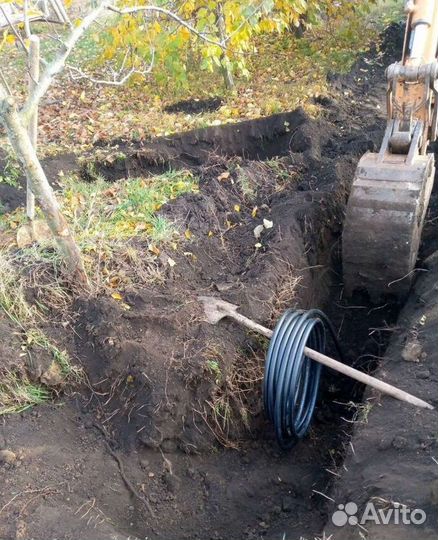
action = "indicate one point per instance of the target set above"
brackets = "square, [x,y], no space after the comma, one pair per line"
[153,249]
[188,234]
[224,176]
[258,245]
[254,211]
[53,375]
[116,296]
[171,262]
[34,231]
[258,231]
[237,207]
[268,224]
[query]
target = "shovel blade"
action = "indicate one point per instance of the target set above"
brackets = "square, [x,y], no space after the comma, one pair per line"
[216,309]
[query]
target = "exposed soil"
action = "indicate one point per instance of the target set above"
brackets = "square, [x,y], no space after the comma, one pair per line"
[195,106]
[143,451]
[394,444]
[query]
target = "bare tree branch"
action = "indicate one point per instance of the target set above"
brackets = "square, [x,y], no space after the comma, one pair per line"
[14,31]
[5,83]
[118,79]
[58,64]
[27,30]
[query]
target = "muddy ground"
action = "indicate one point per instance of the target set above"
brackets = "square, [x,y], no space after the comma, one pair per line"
[168,439]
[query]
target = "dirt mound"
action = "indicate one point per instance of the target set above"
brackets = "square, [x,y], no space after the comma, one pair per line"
[195,106]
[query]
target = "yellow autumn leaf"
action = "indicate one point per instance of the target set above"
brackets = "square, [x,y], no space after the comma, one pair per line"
[210,234]
[188,234]
[153,249]
[254,211]
[224,176]
[185,33]
[237,207]
[116,296]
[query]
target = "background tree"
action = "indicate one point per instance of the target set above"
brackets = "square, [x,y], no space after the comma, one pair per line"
[230,24]
[17,120]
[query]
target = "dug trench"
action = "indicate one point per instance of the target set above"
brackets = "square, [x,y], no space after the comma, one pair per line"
[168,438]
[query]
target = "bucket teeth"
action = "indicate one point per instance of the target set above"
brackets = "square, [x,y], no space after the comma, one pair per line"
[383,223]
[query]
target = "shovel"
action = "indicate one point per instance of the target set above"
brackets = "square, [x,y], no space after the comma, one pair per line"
[216,309]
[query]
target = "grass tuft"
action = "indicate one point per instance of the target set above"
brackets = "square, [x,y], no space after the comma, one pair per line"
[233,398]
[12,297]
[35,337]
[17,393]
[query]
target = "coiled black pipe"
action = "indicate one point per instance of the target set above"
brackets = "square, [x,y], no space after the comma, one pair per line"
[291,380]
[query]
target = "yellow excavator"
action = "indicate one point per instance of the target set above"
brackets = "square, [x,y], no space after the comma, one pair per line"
[391,189]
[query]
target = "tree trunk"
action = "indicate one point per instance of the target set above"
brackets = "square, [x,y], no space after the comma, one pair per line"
[226,70]
[34,74]
[21,143]
[227,75]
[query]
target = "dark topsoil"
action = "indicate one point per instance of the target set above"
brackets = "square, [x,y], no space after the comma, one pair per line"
[144,451]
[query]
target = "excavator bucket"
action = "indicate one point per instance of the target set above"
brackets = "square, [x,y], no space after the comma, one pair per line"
[391,189]
[383,224]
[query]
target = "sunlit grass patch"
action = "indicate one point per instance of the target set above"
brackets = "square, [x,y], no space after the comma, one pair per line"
[123,209]
[105,218]
[110,222]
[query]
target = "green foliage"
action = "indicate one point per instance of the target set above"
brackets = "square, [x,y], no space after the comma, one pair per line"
[229,25]
[11,172]
[215,369]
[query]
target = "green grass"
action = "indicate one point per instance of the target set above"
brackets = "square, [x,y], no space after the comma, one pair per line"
[124,209]
[12,297]
[36,338]
[17,393]
[214,368]
[104,217]
[11,171]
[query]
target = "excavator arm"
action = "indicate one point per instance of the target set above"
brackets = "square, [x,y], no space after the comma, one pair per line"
[391,189]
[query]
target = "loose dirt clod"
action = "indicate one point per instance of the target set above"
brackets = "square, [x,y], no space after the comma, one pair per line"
[412,351]
[8,457]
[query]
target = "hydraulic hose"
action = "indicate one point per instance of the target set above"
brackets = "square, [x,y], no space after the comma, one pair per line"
[291,380]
